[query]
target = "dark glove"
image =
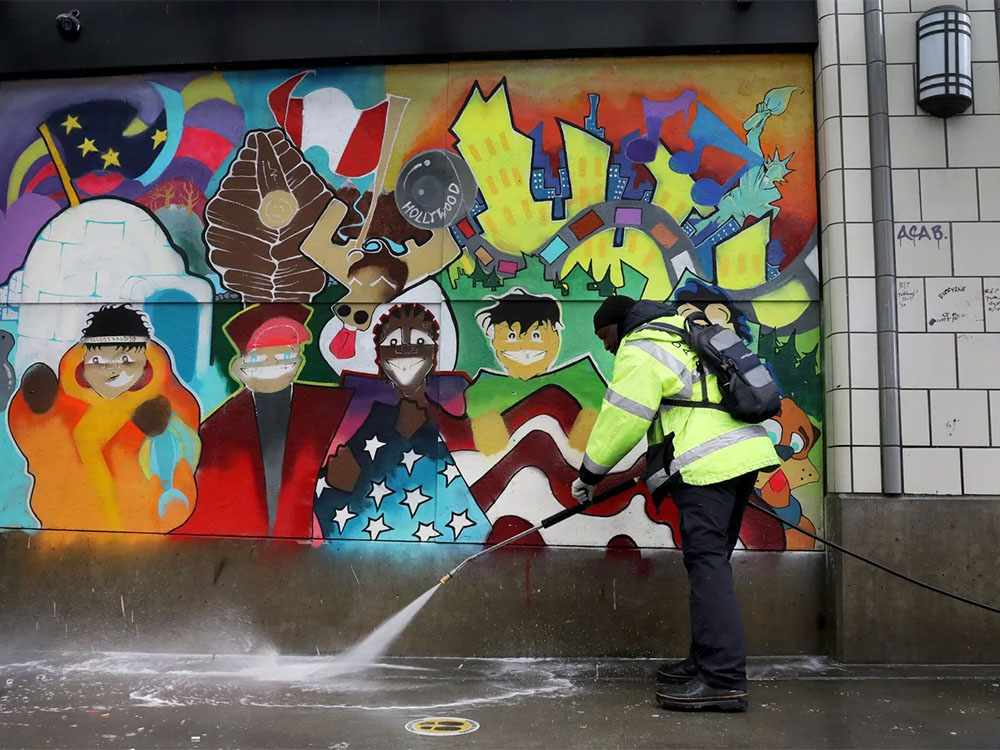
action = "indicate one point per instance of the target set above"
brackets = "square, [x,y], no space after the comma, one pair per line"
[152,416]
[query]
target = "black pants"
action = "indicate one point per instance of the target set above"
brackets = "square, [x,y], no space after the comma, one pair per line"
[710,518]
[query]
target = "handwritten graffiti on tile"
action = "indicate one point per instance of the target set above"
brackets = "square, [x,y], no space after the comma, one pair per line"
[356,304]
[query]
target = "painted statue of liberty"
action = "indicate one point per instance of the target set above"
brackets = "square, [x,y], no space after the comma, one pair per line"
[756,192]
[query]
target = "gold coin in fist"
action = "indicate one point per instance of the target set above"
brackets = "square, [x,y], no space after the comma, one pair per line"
[278,208]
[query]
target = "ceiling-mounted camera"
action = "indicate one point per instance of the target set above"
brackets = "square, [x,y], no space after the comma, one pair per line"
[69,24]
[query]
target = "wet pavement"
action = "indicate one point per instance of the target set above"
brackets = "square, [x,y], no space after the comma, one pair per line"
[131,700]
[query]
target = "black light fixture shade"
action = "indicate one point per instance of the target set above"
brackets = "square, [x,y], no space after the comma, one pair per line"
[944,61]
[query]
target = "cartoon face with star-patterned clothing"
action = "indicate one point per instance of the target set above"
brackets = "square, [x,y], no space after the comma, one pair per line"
[406,347]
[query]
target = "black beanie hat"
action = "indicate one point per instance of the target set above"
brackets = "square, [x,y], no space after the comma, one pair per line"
[613,311]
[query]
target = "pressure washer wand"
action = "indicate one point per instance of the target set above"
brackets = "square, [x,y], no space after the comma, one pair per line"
[547,522]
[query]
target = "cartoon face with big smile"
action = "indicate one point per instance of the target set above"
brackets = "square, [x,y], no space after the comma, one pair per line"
[112,370]
[114,350]
[406,347]
[525,332]
[273,356]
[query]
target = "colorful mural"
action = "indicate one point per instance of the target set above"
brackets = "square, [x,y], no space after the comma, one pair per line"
[356,303]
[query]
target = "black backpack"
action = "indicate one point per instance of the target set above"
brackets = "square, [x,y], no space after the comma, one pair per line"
[749,392]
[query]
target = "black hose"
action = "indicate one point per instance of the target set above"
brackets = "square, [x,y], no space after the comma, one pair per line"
[880,566]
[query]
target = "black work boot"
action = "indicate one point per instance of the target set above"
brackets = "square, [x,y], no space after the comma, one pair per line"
[677,672]
[697,695]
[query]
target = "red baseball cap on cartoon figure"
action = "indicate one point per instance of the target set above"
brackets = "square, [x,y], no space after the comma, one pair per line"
[272,324]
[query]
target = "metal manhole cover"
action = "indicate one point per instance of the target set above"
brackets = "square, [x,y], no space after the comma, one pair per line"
[437,725]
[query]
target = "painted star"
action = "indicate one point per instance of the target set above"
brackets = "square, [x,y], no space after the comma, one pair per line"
[372,446]
[409,459]
[413,500]
[378,493]
[158,137]
[426,531]
[87,146]
[377,526]
[342,516]
[459,522]
[450,473]
[71,122]
[110,158]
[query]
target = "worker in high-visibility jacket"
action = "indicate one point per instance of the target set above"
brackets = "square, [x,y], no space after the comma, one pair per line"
[705,458]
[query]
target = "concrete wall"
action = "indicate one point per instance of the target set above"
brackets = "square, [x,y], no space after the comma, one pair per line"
[368,294]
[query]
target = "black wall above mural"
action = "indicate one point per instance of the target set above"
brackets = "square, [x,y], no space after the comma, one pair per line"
[136,34]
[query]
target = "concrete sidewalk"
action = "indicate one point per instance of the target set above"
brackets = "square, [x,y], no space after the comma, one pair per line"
[130,700]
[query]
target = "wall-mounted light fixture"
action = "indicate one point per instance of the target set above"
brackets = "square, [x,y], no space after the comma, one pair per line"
[944,61]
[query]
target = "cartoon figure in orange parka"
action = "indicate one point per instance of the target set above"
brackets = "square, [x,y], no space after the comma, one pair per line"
[113,441]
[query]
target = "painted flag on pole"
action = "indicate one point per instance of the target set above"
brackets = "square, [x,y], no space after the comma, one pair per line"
[326,117]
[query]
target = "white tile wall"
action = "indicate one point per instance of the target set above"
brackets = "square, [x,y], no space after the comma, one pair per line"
[914,422]
[836,361]
[991,303]
[917,142]
[829,146]
[864,360]
[978,360]
[989,194]
[954,304]
[974,141]
[910,315]
[831,196]
[923,255]
[906,195]
[838,418]
[833,257]
[852,39]
[828,92]
[838,470]
[984,36]
[857,194]
[864,417]
[949,195]
[946,203]
[835,305]
[976,248]
[995,418]
[860,250]
[901,82]
[927,360]
[901,37]
[979,467]
[828,40]
[960,418]
[861,305]
[932,471]
[857,153]
[986,88]
[867,465]
[854,90]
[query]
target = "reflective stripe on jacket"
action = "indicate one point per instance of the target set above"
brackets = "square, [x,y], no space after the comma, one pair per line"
[709,445]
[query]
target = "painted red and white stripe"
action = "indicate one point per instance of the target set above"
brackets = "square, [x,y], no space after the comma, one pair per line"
[326,117]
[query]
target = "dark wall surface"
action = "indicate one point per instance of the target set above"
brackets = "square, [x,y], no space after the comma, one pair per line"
[948,542]
[137,34]
[128,591]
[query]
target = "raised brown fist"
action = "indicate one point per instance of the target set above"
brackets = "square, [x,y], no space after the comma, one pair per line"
[152,416]
[39,385]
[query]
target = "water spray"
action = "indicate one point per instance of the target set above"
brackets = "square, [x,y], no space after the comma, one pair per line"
[546,523]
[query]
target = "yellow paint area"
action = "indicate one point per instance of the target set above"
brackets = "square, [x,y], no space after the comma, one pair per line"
[500,159]
[211,86]
[525,354]
[587,161]
[783,306]
[741,261]
[599,258]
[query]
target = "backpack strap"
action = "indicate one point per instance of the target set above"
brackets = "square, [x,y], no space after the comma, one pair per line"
[704,403]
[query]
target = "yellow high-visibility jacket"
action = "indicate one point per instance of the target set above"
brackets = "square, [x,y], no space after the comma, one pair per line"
[709,445]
